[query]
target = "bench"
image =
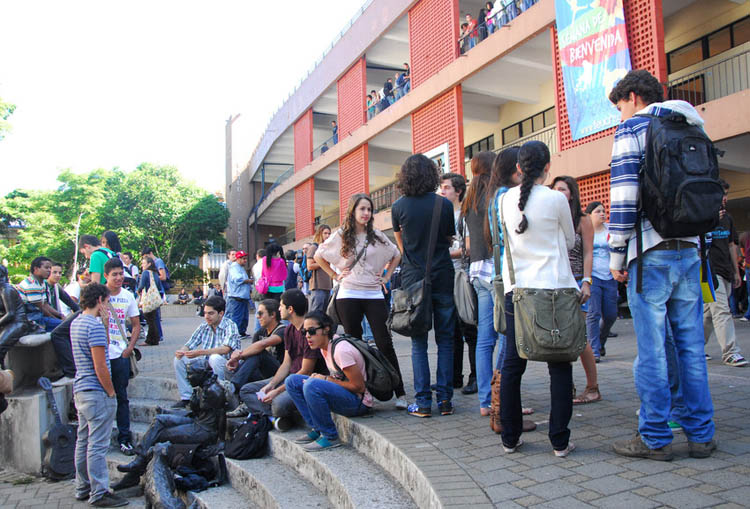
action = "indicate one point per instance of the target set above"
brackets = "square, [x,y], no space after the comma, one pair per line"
[33,356]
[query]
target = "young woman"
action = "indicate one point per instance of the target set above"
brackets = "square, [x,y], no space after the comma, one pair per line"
[602,311]
[359,252]
[474,211]
[150,276]
[412,216]
[111,241]
[322,233]
[580,258]
[320,283]
[274,268]
[540,233]
[342,392]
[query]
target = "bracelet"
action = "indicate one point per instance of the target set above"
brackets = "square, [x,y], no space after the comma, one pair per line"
[586,280]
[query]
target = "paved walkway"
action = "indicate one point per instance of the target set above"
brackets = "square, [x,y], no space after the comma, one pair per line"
[466,466]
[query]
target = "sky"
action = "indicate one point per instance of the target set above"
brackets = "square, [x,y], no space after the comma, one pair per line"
[100,84]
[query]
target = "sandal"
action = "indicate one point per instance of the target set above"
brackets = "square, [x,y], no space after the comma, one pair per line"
[527,411]
[590,395]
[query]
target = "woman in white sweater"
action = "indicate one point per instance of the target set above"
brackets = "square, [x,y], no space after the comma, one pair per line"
[539,234]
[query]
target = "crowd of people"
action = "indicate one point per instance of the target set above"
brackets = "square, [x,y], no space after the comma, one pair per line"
[393,90]
[507,225]
[490,18]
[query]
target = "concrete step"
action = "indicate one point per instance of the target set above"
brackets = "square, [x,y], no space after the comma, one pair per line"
[268,483]
[220,497]
[145,409]
[153,387]
[346,477]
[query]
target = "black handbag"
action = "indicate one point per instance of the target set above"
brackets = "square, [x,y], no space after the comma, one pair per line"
[332,310]
[464,294]
[411,312]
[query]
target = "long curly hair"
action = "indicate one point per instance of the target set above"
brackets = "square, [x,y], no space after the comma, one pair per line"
[575,197]
[503,170]
[318,239]
[533,158]
[419,175]
[349,228]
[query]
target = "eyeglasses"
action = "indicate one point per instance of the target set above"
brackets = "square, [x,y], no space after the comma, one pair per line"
[260,313]
[310,331]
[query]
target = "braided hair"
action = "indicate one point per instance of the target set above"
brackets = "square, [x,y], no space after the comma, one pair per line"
[533,158]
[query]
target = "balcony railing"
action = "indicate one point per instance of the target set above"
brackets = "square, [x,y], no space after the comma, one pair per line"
[548,136]
[384,197]
[496,19]
[382,103]
[281,178]
[323,147]
[712,81]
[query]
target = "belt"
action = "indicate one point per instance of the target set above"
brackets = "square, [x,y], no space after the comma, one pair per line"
[674,245]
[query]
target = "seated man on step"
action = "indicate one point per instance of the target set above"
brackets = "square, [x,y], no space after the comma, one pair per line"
[215,340]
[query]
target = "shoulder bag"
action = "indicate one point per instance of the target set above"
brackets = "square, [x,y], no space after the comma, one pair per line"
[464,294]
[332,309]
[411,311]
[549,325]
[498,288]
[262,284]
[150,299]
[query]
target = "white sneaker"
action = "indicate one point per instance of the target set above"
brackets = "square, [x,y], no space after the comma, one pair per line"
[401,403]
[744,319]
[735,360]
[564,453]
[66,380]
[511,450]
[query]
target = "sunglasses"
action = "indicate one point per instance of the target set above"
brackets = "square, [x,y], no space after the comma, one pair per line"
[260,313]
[310,330]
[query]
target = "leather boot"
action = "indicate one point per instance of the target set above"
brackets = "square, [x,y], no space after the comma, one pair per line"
[495,403]
[138,465]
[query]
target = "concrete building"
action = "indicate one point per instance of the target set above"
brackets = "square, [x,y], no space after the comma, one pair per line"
[503,90]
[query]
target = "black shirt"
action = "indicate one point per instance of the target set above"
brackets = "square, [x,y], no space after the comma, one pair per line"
[718,255]
[412,216]
[277,350]
[475,222]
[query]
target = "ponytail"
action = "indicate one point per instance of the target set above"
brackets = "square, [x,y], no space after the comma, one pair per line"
[532,158]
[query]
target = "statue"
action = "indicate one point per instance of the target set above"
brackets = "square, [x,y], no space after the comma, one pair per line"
[14,324]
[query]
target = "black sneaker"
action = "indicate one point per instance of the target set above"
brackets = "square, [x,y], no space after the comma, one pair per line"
[446,407]
[470,388]
[127,449]
[109,500]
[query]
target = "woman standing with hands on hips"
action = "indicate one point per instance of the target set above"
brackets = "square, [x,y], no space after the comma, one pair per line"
[359,252]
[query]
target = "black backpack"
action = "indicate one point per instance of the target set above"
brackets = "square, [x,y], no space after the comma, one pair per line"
[250,439]
[382,377]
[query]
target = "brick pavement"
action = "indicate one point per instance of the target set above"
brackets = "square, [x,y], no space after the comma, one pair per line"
[466,466]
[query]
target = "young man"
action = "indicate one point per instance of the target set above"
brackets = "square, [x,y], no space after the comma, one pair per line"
[335,130]
[213,340]
[57,297]
[34,291]
[453,187]
[94,398]
[717,317]
[256,361]
[238,293]
[269,396]
[130,267]
[224,270]
[91,248]
[122,306]
[320,282]
[671,285]
[74,287]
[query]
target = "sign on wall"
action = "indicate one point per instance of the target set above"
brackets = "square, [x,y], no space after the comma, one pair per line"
[439,156]
[594,56]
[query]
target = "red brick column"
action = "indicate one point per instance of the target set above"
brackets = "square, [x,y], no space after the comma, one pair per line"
[304,209]
[303,141]
[433,37]
[351,98]
[354,176]
[440,122]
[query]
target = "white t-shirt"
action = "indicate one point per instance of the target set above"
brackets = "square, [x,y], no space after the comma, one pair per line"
[126,308]
[74,290]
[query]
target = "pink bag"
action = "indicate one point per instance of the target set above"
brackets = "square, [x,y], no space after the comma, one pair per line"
[262,284]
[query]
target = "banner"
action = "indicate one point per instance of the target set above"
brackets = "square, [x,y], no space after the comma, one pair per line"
[594,56]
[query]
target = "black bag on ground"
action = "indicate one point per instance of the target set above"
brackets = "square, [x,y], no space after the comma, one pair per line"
[250,440]
[382,377]
[411,310]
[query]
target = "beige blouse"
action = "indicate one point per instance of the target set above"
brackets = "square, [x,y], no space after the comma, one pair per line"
[364,275]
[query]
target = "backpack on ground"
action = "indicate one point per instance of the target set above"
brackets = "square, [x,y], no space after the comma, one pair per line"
[250,439]
[382,377]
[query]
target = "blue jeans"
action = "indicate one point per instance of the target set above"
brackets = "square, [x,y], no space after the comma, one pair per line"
[319,300]
[671,295]
[120,376]
[677,411]
[96,412]
[238,311]
[158,323]
[747,282]
[487,338]
[602,312]
[256,367]
[316,399]
[50,323]
[366,331]
[444,317]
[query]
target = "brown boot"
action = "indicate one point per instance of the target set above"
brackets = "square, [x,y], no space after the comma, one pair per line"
[495,403]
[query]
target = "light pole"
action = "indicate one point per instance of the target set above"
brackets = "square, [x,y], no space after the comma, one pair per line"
[75,256]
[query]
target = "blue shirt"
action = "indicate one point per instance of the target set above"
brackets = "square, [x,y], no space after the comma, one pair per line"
[236,285]
[86,332]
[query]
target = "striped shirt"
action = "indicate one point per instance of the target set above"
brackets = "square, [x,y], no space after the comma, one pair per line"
[205,338]
[86,332]
[32,291]
[627,151]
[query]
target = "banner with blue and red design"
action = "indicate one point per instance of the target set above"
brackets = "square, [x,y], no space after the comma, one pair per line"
[594,56]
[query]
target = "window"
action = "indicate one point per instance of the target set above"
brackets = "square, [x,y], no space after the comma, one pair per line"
[710,45]
[482,145]
[528,126]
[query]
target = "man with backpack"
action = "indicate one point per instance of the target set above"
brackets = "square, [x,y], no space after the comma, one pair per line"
[655,249]
[97,255]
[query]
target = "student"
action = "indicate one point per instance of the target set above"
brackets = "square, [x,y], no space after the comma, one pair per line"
[238,292]
[274,269]
[150,277]
[94,398]
[34,291]
[320,282]
[57,297]
[92,249]
[317,395]
[122,306]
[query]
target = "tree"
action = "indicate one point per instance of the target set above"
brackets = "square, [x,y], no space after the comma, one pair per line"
[6,110]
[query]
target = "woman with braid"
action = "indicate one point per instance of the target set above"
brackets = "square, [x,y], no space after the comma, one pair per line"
[540,232]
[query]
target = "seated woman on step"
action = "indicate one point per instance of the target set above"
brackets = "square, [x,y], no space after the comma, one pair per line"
[343,392]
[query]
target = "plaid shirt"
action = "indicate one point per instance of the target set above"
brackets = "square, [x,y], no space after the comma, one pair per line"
[204,337]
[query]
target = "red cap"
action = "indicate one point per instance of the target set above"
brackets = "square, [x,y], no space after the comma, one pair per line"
[240,254]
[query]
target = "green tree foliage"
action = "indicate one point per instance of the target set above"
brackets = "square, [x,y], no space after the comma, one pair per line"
[6,110]
[150,206]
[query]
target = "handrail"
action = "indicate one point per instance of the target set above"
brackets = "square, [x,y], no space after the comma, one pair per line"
[398,92]
[712,81]
[325,144]
[501,18]
[284,176]
[383,197]
[547,135]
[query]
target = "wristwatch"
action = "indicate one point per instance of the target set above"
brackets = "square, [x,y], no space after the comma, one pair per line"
[586,280]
